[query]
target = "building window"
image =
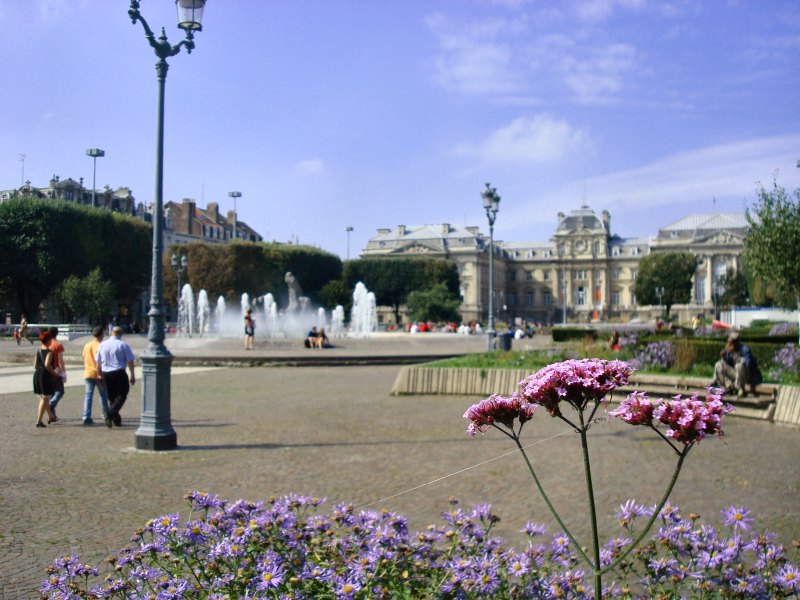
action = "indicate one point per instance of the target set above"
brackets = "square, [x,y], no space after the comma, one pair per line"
[512,275]
[529,299]
[615,297]
[528,276]
[700,290]
[512,299]
[546,275]
[580,296]
[547,298]
[68,195]
[633,274]
[615,273]
[580,274]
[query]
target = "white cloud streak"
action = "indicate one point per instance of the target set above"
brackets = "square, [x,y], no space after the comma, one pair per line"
[536,139]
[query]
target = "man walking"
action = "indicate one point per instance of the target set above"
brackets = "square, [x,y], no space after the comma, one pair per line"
[58,364]
[92,379]
[113,356]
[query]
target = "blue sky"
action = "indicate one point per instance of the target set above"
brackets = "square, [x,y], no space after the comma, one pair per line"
[375,113]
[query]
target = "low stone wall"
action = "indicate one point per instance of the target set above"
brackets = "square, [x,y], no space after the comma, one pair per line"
[777,403]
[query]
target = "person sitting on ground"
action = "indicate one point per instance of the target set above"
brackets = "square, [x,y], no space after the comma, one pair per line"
[322,339]
[311,338]
[737,368]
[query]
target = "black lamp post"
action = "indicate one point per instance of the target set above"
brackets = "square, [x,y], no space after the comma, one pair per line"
[235,196]
[155,427]
[491,202]
[95,153]
[347,230]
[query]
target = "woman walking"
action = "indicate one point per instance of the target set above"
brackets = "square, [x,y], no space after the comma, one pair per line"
[44,378]
[249,329]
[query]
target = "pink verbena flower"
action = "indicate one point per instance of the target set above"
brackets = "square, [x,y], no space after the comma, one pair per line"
[574,381]
[692,419]
[636,409]
[498,409]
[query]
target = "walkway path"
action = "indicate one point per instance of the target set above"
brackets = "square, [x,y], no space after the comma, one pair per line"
[336,432]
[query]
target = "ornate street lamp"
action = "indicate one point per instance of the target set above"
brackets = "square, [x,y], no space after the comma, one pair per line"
[234,195]
[95,153]
[155,427]
[491,202]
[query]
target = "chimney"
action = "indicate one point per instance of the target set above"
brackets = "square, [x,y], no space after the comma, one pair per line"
[212,208]
[607,221]
[445,228]
[401,230]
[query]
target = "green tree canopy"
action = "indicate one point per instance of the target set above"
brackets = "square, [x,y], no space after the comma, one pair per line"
[669,271]
[229,270]
[393,279]
[735,289]
[89,296]
[436,304]
[42,242]
[772,244]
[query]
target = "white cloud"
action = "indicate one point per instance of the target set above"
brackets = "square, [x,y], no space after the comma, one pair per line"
[683,181]
[600,10]
[471,61]
[312,166]
[537,139]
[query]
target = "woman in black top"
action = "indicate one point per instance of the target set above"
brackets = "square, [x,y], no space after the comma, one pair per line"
[44,377]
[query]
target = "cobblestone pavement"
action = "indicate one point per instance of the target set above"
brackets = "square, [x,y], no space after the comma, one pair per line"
[336,432]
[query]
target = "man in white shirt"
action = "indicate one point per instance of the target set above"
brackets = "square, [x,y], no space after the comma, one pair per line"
[112,358]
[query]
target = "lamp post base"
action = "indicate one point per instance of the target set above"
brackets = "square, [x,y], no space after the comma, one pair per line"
[491,337]
[155,428]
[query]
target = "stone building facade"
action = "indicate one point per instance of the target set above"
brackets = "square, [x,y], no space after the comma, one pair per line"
[584,272]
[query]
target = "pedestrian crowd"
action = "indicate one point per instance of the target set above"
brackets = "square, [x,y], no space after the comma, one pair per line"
[108,368]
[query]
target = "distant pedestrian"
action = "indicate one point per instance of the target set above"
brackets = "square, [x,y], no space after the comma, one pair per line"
[92,379]
[44,376]
[112,358]
[58,364]
[249,329]
[23,329]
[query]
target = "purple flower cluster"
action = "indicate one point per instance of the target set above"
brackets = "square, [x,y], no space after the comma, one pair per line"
[576,382]
[498,409]
[786,363]
[781,329]
[655,356]
[287,548]
[689,420]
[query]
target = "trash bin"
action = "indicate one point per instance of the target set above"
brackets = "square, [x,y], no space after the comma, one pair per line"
[504,341]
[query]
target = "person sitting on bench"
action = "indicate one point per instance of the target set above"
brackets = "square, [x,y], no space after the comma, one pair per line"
[737,368]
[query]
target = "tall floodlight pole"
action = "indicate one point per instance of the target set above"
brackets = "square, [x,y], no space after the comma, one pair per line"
[491,202]
[155,427]
[347,230]
[234,195]
[95,153]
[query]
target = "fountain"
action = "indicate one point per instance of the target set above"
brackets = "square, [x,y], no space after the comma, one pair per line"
[186,311]
[203,313]
[272,323]
[364,315]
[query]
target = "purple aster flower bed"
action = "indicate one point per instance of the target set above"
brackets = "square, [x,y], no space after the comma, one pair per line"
[656,355]
[290,548]
[786,363]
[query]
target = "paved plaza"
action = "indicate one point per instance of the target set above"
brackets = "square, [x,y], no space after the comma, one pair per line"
[335,432]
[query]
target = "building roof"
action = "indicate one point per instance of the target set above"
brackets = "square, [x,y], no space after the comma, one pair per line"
[708,222]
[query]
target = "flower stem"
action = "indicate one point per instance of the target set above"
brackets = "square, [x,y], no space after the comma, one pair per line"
[550,505]
[587,470]
[656,512]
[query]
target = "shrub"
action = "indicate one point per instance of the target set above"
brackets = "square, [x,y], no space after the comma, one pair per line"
[658,356]
[786,364]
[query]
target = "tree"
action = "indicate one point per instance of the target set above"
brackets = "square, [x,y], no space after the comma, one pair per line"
[735,289]
[771,245]
[669,271]
[89,296]
[436,304]
[393,279]
[43,241]
[334,293]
